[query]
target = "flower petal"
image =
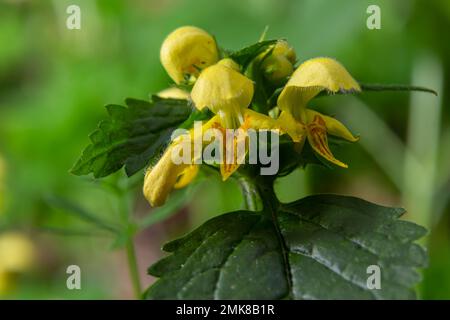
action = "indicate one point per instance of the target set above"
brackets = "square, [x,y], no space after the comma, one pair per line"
[173,93]
[237,152]
[187,176]
[317,138]
[333,126]
[224,91]
[227,169]
[166,175]
[160,180]
[295,129]
[186,51]
[258,121]
[310,78]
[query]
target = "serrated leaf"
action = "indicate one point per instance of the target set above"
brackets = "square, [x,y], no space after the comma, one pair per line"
[131,136]
[319,248]
[245,55]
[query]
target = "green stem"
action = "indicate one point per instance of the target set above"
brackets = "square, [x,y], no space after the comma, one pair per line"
[133,268]
[250,193]
[263,186]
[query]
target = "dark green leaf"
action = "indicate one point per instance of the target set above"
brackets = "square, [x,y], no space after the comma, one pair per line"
[131,136]
[260,97]
[247,54]
[319,248]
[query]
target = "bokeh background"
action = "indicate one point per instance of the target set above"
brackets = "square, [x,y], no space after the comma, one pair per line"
[54,83]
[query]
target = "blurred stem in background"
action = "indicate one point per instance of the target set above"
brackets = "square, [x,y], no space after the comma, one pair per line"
[420,169]
[421,172]
[133,268]
[130,230]
[418,183]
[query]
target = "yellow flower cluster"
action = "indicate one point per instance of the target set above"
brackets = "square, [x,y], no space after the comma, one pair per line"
[190,55]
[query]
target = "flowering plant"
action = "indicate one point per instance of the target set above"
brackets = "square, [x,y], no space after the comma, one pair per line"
[321,246]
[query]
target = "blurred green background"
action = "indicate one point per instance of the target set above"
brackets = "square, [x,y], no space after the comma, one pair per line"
[54,83]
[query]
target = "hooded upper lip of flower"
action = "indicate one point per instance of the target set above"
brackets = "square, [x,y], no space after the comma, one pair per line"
[225,91]
[310,78]
[186,51]
[228,93]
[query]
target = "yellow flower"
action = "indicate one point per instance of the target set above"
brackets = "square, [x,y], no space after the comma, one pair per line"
[16,255]
[228,93]
[160,180]
[310,78]
[225,91]
[173,93]
[279,65]
[186,51]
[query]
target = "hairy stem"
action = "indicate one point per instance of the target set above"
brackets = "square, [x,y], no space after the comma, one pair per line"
[394,87]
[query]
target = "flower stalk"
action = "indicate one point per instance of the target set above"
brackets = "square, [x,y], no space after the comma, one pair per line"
[129,229]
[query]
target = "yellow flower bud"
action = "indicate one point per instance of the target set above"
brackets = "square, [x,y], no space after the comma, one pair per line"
[224,91]
[186,51]
[279,65]
[282,48]
[277,69]
[173,93]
